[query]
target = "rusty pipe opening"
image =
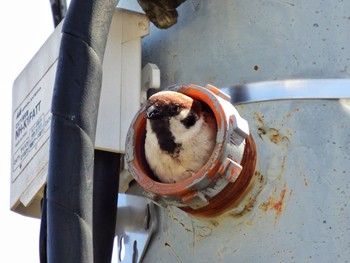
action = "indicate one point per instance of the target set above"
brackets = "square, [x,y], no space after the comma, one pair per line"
[230,196]
[219,184]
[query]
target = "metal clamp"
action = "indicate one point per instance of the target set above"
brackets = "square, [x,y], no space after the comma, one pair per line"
[136,222]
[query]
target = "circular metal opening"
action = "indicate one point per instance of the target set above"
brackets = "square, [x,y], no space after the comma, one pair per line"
[182,193]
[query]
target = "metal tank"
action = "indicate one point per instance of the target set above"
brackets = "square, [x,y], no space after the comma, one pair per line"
[297,208]
[295,58]
[228,41]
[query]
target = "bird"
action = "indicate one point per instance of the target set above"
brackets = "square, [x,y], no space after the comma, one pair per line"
[180,135]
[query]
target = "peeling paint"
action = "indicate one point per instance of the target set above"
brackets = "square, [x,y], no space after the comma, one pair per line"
[129,151]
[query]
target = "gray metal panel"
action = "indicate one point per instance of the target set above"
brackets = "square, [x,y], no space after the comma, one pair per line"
[229,41]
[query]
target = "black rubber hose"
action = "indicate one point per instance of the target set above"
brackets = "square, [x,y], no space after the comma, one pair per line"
[73,126]
[106,183]
[59,10]
[43,231]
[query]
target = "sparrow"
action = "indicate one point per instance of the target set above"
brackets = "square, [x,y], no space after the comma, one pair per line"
[180,135]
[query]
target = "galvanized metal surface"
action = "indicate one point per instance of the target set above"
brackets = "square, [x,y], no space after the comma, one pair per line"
[229,41]
[298,209]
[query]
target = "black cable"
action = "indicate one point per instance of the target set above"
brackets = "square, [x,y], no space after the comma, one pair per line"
[73,126]
[59,10]
[106,183]
[43,231]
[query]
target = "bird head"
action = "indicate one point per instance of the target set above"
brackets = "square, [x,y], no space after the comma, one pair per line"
[177,107]
[176,120]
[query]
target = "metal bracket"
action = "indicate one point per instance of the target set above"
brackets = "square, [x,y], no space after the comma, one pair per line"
[136,222]
[150,79]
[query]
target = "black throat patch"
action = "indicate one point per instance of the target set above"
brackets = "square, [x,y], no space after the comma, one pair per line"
[165,138]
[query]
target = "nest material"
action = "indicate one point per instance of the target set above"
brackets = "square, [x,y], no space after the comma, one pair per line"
[162,13]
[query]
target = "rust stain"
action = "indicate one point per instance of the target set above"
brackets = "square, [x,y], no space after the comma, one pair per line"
[273,134]
[276,137]
[219,254]
[249,223]
[261,127]
[173,217]
[290,113]
[290,193]
[289,132]
[261,132]
[275,204]
[201,232]
[260,118]
[246,209]
[305,180]
[283,167]
[214,223]
[231,195]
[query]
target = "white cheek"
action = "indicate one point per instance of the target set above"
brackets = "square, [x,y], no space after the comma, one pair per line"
[151,143]
[149,130]
[183,134]
[183,114]
[152,149]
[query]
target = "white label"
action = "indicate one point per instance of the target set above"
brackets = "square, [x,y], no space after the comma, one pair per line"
[31,123]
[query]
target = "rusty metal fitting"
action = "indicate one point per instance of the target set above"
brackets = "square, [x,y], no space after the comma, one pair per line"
[225,176]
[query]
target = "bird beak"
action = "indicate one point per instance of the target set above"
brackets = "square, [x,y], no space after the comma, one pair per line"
[153,113]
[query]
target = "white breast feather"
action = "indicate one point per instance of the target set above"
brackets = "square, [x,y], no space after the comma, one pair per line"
[197,144]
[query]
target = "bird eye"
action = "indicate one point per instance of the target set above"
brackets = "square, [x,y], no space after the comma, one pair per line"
[174,109]
[153,112]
